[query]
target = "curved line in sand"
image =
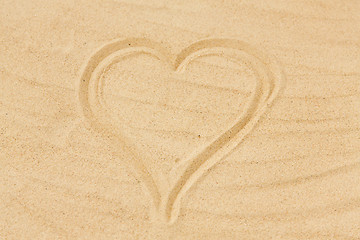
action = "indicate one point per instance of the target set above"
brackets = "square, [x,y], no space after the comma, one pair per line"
[270,80]
[264,94]
[106,128]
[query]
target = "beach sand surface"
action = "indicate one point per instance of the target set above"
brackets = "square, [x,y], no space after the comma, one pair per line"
[178,119]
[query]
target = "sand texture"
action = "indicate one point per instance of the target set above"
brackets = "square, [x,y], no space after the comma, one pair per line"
[178,119]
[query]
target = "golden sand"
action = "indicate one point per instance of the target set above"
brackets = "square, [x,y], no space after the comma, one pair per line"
[186,119]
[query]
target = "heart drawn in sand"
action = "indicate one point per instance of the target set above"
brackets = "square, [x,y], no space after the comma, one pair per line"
[166,194]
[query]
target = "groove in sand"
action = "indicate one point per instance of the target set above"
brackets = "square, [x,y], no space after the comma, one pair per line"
[166,203]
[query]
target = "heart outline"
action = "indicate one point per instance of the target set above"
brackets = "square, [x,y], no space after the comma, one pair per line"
[268,87]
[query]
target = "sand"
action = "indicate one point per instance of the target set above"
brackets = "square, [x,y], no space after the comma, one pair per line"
[186,119]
